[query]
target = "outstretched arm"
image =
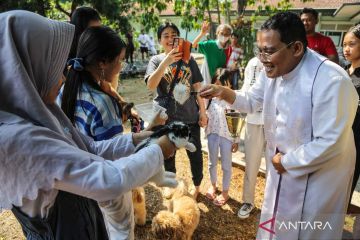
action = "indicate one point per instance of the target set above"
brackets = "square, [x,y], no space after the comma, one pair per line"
[204,29]
[210,91]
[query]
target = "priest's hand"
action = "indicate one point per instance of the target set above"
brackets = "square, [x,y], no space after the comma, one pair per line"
[276,161]
[212,90]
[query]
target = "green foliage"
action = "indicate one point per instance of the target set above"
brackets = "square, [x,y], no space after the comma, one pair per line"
[246,34]
[38,6]
[146,12]
[54,13]
[245,29]
[115,13]
[267,9]
[118,13]
[194,12]
[191,12]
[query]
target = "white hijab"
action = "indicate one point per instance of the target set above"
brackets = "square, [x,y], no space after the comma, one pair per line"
[33,53]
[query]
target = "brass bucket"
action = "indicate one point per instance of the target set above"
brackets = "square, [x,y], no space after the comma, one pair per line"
[235,122]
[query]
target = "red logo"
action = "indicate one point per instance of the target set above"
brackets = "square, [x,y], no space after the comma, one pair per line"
[270,230]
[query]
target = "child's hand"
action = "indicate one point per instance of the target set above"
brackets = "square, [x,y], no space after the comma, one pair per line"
[203,120]
[159,119]
[205,27]
[173,56]
[234,66]
[135,114]
[234,147]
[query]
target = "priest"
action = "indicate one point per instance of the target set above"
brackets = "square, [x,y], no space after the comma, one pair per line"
[309,104]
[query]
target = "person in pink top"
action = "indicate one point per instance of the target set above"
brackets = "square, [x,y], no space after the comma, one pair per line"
[317,41]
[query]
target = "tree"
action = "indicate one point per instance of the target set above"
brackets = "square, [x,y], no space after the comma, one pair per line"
[191,12]
[241,5]
[115,13]
[38,6]
[245,28]
[194,12]
[146,12]
[118,13]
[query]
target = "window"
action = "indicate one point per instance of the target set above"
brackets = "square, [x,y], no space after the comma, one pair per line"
[337,37]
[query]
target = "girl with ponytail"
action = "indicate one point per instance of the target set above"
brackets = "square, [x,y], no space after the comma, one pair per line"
[91,102]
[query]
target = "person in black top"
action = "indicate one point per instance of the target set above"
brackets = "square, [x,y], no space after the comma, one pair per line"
[351,49]
[159,75]
[82,18]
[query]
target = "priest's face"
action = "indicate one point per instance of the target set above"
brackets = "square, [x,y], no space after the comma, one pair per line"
[277,57]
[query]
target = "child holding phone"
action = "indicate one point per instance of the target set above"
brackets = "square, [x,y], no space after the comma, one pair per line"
[184,47]
[159,75]
[219,138]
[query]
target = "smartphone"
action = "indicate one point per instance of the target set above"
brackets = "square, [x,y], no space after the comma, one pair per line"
[184,47]
[176,42]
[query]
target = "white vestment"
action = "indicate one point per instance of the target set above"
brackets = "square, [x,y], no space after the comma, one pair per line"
[112,168]
[205,72]
[308,114]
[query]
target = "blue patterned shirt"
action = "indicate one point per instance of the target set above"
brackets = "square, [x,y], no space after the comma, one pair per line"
[96,114]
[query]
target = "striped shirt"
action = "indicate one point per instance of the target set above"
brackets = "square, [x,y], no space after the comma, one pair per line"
[96,114]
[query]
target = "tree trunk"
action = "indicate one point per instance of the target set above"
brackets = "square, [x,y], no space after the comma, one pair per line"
[218,11]
[228,6]
[40,6]
[58,7]
[212,35]
[73,7]
[241,5]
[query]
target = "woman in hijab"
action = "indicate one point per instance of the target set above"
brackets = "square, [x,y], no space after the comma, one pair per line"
[51,175]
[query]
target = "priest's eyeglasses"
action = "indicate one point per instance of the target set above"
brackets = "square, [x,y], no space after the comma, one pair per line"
[258,52]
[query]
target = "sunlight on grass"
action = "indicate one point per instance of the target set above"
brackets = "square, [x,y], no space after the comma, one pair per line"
[349,222]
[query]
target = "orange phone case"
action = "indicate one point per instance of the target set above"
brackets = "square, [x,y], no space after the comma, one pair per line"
[184,47]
